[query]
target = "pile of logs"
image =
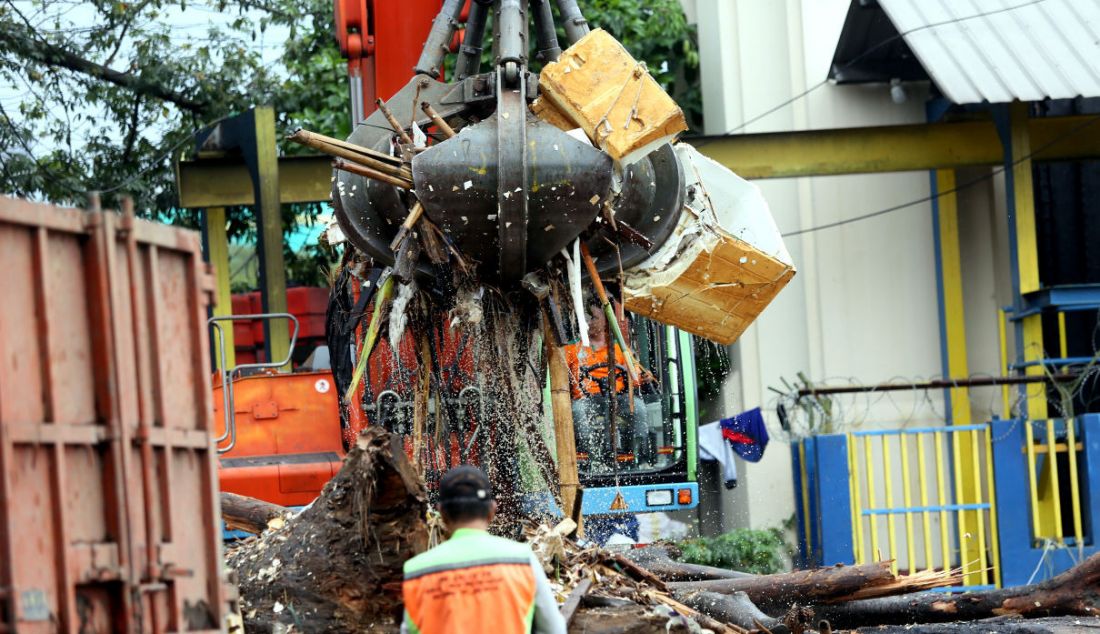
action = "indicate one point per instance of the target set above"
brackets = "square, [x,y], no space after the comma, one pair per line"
[336,567]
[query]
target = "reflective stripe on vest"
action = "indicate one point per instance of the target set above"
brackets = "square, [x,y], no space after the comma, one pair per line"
[473,582]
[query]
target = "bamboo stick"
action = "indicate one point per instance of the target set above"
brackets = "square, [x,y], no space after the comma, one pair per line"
[410,222]
[363,170]
[394,123]
[447,130]
[316,140]
[562,406]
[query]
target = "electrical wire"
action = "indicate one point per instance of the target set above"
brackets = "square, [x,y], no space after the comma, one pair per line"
[924,199]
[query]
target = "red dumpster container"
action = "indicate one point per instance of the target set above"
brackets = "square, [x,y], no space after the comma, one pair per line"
[109,518]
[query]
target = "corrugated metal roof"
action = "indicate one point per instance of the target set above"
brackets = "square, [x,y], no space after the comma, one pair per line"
[1000,50]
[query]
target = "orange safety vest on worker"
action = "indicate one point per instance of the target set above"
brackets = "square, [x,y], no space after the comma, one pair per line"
[476,582]
[578,356]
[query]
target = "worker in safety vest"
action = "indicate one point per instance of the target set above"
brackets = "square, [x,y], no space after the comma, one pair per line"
[476,582]
[590,404]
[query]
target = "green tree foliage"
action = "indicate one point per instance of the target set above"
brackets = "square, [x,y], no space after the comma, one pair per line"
[754,551]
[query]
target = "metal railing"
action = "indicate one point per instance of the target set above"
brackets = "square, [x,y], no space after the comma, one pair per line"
[229,412]
[954,491]
[1049,491]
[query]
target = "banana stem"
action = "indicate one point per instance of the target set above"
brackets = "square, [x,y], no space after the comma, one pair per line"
[380,300]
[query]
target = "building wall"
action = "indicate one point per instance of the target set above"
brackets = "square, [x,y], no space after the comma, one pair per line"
[863,307]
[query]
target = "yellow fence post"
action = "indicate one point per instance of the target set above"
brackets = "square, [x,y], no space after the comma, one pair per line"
[907,499]
[1033,486]
[975,461]
[996,538]
[1074,485]
[941,495]
[857,504]
[875,553]
[926,517]
[888,488]
[1054,488]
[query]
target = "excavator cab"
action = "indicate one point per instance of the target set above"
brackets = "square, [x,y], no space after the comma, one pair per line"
[653,433]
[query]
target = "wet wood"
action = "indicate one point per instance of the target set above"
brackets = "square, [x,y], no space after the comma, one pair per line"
[802,586]
[242,513]
[337,565]
[1074,592]
[735,609]
[562,406]
[657,560]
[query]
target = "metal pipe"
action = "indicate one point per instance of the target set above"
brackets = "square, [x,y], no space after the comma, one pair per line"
[510,32]
[439,38]
[934,385]
[469,53]
[229,411]
[545,33]
[576,26]
[225,380]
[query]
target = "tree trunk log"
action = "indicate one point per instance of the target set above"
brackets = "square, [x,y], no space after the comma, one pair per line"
[337,565]
[657,560]
[802,586]
[734,609]
[242,513]
[1074,592]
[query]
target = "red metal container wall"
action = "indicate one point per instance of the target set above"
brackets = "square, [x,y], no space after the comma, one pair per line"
[108,507]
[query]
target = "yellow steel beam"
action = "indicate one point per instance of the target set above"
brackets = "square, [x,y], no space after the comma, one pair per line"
[224,181]
[269,226]
[967,473]
[1027,246]
[218,245]
[898,148]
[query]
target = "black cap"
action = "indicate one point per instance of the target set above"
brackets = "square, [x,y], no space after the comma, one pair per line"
[466,483]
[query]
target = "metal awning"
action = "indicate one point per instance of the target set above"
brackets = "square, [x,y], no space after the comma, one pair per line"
[977,51]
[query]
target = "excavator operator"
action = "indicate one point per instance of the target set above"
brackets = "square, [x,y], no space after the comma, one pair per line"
[589,372]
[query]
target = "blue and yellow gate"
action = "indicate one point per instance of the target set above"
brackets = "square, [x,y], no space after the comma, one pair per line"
[1009,502]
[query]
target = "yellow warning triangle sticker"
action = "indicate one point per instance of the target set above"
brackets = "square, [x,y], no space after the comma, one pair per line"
[619,504]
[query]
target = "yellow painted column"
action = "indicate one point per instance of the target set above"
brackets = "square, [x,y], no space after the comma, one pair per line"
[968,486]
[270,227]
[1027,263]
[217,241]
[1027,249]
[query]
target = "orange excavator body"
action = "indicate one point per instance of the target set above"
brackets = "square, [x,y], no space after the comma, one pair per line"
[288,440]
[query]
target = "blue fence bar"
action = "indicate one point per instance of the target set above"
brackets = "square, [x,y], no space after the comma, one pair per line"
[821,477]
